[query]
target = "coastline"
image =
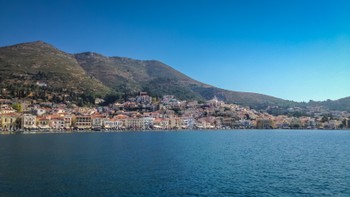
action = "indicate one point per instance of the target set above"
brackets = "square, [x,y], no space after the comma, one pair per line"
[151,130]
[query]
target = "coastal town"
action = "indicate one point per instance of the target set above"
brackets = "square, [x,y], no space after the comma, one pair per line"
[144,112]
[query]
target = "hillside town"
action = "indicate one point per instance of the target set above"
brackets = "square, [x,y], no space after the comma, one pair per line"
[144,112]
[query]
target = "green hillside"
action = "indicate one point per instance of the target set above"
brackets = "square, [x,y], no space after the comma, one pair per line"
[159,79]
[40,71]
[24,66]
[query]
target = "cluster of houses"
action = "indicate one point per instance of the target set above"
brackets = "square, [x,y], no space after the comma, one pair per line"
[39,118]
[97,121]
[146,113]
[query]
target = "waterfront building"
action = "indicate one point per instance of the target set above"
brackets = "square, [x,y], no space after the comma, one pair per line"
[133,123]
[83,122]
[97,121]
[67,121]
[264,124]
[57,123]
[174,123]
[161,123]
[187,123]
[228,122]
[8,122]
[147,122]
[28,121]
[43,122]
[112,123]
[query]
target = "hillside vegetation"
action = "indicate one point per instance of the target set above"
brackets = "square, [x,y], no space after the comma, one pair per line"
[22,66]
[40,71]
[158,79]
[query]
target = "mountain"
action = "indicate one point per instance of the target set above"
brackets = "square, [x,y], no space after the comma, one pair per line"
[133,76]
[342,104]
[41,71]
[159,79]
[23,66]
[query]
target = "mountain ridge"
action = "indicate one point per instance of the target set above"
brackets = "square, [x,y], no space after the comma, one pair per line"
[101,75]
[24,65]
[165,72]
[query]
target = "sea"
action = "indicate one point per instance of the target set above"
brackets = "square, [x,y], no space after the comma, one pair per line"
[177,163]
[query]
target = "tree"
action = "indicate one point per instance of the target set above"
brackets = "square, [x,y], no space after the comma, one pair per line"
[17,107]
[326,118]
[111,98]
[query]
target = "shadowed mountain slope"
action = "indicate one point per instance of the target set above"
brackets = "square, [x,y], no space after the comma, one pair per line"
[158,79]
[23,66]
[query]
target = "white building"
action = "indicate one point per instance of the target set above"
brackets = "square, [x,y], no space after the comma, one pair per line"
[112,124]
[57,123]
[187,123]
[28,121]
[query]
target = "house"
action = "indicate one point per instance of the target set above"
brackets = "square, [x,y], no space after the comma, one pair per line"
[98,101]
[187,123]
[227,122]
[144,98]
[147,122]
[43,122]
[8,122]
[57,123]
[161,123]
[83,122]
[133,123]
[118,106]
[123,119]
[264,124]
[139,123]
[205,123]
[67,121]
[41,111]
[6,109]
[174,123]
[41,84]
[28,121]
[97,121]
[244,124]
[112,123]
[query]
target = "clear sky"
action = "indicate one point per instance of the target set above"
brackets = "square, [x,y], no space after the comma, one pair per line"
[291,49]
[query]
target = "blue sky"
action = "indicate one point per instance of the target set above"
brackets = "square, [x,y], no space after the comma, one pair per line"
[295,50]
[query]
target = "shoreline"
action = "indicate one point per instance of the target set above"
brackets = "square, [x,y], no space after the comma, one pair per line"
[149,130]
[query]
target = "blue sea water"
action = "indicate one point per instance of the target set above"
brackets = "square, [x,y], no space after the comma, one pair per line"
[186,163]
